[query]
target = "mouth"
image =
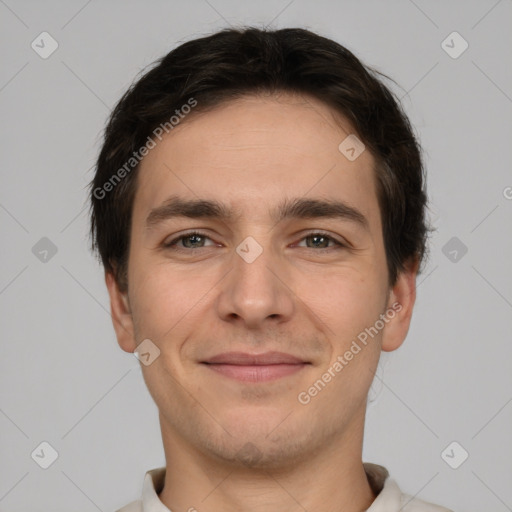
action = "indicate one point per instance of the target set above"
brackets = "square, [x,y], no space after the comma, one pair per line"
[255,367]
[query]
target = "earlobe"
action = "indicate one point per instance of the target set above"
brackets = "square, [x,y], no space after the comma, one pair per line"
[121,314]
[402,297]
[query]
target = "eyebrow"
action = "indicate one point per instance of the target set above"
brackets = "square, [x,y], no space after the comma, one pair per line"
[298,208]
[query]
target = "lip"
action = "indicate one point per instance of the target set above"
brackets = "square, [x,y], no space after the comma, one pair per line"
[255,367]
[245,359]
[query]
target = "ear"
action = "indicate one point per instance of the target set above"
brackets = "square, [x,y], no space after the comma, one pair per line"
[402,297]
[121,314]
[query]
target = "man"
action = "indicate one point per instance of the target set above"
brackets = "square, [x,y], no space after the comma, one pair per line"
[258,206]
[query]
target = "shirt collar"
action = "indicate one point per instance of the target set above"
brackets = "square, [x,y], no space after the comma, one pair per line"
[387,491]
[153,484]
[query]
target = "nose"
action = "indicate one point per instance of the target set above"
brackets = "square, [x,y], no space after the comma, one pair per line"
[257,290]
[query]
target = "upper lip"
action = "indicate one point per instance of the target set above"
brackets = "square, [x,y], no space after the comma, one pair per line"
[245,359]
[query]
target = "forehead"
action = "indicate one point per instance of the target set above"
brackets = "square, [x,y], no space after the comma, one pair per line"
[251,152]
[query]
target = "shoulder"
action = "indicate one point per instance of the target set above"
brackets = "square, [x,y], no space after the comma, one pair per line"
[134,506]
[390,497]
[409,503]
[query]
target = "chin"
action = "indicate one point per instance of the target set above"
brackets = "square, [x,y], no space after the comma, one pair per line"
[262,456]
[257,447]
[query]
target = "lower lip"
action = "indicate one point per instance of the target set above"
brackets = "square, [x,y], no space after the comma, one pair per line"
[256,373]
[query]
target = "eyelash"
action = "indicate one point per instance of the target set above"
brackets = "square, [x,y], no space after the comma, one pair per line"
[172,244]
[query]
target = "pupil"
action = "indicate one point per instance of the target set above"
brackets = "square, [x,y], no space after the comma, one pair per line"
[194,239]
[316,239]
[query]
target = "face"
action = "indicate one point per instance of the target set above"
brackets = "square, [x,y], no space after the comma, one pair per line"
[257,312]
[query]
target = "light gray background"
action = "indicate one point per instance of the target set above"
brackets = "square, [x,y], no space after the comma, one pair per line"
[64,379]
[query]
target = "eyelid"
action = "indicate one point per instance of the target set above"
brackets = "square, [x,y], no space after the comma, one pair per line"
[326,234]
[178,238]
[338,243]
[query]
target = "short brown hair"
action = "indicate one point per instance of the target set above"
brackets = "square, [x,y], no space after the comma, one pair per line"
[238,62]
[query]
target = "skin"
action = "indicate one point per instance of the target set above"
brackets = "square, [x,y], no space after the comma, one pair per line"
[233,445]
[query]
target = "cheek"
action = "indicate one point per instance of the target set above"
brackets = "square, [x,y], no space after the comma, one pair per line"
[346,302]
[166,301]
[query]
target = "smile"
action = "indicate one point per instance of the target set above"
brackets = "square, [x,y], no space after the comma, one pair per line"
[255,367]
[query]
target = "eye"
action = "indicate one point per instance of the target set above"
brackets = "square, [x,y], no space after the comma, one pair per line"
[193,240]
[196,240]
[320,240]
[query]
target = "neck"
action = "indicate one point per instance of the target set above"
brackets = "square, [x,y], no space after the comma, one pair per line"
[331,479]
